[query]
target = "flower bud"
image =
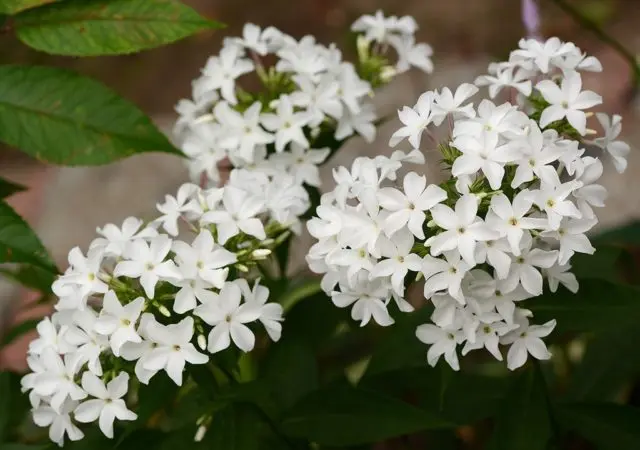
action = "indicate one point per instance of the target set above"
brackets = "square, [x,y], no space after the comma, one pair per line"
[164,311]
[260,253]
[202,342]
[202,430]
[362,44]
[387,73]
[242,268]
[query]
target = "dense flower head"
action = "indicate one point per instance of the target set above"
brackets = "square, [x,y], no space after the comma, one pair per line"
[309,99]
[145,299]
[516,207]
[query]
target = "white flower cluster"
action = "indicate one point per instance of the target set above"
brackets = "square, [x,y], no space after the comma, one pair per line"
[140,299]
[309,95]
[515,209]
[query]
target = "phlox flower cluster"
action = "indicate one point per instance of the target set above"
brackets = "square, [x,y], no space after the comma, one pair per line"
[517,205]
[142,300]
[309,98]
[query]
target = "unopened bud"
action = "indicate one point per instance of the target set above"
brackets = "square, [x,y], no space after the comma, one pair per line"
[589,131]
[260,253]
[362,44]
[431,224]
[315,132]
[164,311]
[204,118]
[202,430]
[268,241]
[202,342]
[589,114]
[419,276]
[242,268]
[387,73]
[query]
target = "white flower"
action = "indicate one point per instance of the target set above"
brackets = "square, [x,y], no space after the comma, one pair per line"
[590,194]
[560,274]
[228,318]
[462,229]
[536,157]
[59,422]
[617,149]
[115,240]
[88,343]
[361,123]
[85,272]
[506,77]
[481,152]
[552,199]
[441,274]
[369,300]
[239,214]
[50,336]
[488,336]
[541,53]
[107,404]
[241,132]
[173,208]
[446,103]
[510,219]
[408,208]
[526,340]
[57,379]
[496,254]
[270,313]
[567,101]
[146,261]
[411,54]
[287,124]
[119,321]
[303,163]
[442,341]
[415,121]
[252,38]
[572,238]
[204,259]
[221,72]
[399,261]
[320,99]
[174,348]
[523,268]
[376,28]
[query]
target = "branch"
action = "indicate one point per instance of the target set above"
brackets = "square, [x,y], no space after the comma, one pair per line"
[592,26]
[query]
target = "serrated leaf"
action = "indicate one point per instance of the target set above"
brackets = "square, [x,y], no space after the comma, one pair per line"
[15,6]
[607,425]
[7,188]
[108,27]
[61,117]
[342,415]
[598,305]
[18,242]
[524,421]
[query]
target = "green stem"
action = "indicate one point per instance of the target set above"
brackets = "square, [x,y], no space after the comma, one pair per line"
[592,26]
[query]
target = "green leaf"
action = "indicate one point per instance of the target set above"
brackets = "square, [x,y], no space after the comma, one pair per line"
[18,242]
[7,188]
[463,398]
[31,277]
[108,27]
[603,264]
[291,371]
[607,425]
[342,415]
[611,360]
[13,407]
[237,427]
[598,305]
[5,403]
[18,330]
[64,118]
[628,234]
[398,347]
[524,421]
[16,446]
[15,6]
[297,290]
